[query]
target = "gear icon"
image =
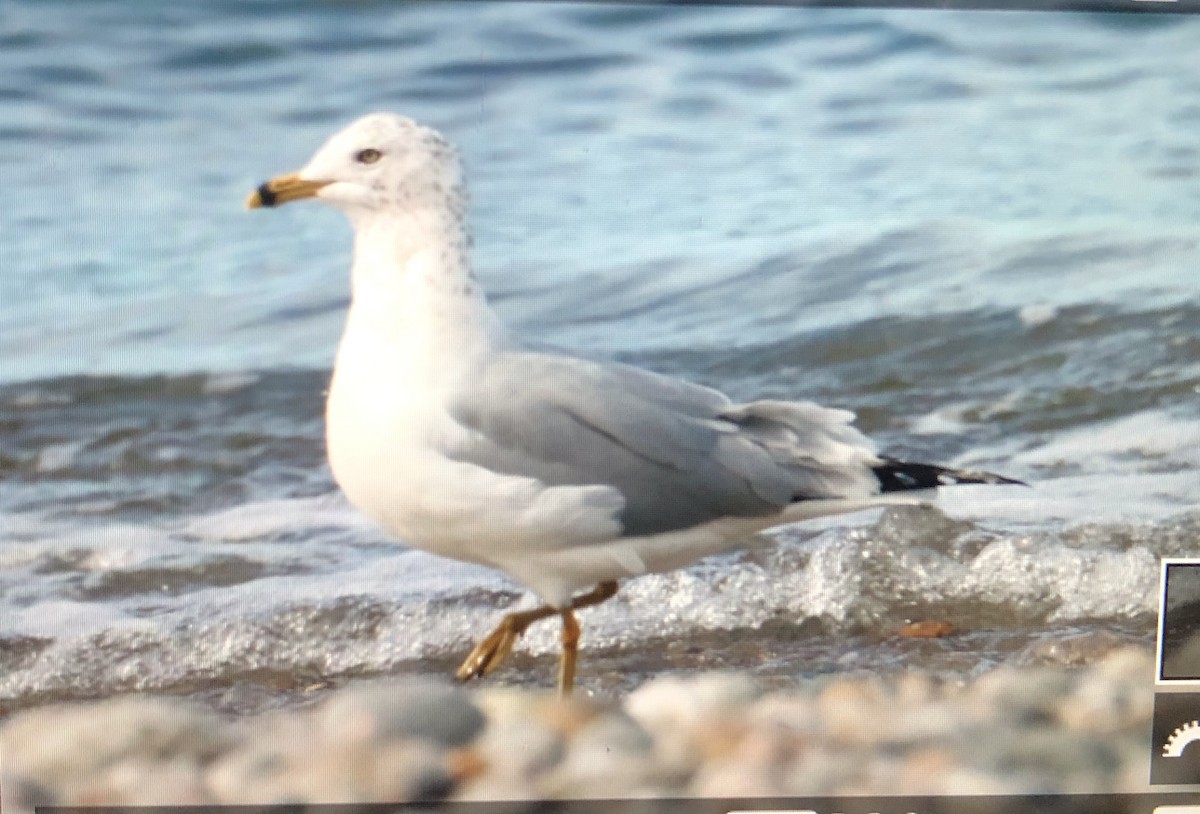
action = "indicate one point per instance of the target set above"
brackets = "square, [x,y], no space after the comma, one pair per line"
[1180,738]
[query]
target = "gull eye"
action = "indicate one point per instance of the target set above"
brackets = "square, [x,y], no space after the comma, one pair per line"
[368,156]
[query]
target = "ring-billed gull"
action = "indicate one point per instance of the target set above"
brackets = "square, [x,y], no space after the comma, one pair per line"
[566,474]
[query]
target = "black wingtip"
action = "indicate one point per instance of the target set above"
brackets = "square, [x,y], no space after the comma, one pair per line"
[903,476]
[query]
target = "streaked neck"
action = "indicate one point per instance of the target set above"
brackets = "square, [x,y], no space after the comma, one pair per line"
[413,294]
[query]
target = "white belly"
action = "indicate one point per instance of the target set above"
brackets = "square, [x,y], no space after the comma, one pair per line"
[379,441]
[390,453]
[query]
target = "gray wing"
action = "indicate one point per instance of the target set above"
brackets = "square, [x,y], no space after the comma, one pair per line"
[679,454]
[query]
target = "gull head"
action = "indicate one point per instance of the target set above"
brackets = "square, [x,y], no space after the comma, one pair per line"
[380,163]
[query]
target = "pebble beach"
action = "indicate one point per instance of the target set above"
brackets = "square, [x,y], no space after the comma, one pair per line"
[1018,731]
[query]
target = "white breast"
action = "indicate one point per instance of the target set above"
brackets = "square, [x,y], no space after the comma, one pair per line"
[388,432]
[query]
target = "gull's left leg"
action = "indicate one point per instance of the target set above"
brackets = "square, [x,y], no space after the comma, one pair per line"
[494,649]
[570,650]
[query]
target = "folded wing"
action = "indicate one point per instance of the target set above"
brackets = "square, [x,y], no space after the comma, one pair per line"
[679,454]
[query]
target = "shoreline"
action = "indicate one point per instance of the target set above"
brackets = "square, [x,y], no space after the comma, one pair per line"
[1012,730]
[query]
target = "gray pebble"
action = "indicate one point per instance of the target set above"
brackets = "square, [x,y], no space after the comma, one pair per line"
[615,731]
[1031,694]
[402,708]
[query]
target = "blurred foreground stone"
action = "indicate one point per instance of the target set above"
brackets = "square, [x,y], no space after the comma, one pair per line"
[1011,731]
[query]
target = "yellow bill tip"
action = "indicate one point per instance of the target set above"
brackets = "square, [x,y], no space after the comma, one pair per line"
[255,199]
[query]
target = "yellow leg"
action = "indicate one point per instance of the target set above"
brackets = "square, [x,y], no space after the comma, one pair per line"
[601,593]
[494,649]
[570,650]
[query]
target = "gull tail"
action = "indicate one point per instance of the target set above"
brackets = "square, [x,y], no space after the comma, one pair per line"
[902,476]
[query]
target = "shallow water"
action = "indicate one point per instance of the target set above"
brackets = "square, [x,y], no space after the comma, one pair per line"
[979,230]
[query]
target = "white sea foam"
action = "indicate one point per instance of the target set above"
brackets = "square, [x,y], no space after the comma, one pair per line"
[942,421]
[1139,468]
[1156,437]
[270,518]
